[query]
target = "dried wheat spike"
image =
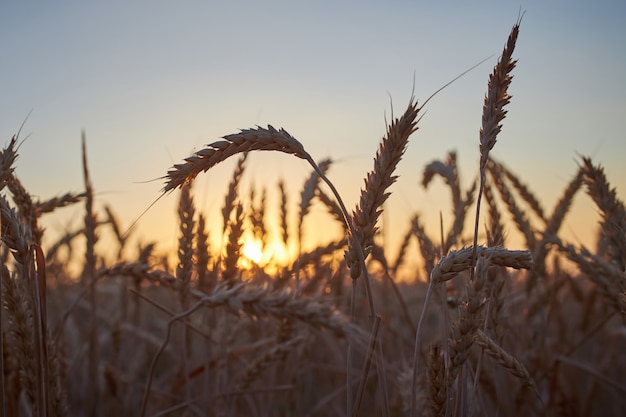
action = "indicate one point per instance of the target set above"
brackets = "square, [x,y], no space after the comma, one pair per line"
[460,213]
[26,207]
[233,191]
[261,301]
[260,364]
[519,216]
[495,218]
[184,269]
[20,325]
[203,256]
[15,234]
[470,318]
[57,202]
[233,248]
[7,157]
[308,192]
[460,260]
[522,190]
[333,208]
[497,97]
[553,224]
[436,377]
[257,216]
[284,228]
[505,359]
[141,270]
[377,182]
[612,209]
[259,139]
[429,251]
[610,279]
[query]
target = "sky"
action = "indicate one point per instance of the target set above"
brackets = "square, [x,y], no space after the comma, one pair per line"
[150,82]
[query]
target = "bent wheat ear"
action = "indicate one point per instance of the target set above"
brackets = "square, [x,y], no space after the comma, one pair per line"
[259,139]
[461,260]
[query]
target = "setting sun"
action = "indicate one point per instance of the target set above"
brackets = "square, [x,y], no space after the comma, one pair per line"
[269,256]
[253,250]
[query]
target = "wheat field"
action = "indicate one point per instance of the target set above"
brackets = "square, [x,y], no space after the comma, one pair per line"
[480,329]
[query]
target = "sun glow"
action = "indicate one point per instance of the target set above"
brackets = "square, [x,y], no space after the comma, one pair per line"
[253,250]
[271,256]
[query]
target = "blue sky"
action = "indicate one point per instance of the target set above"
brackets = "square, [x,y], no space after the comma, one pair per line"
[150,82]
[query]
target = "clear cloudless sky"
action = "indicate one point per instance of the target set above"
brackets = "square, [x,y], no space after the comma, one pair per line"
[152,81]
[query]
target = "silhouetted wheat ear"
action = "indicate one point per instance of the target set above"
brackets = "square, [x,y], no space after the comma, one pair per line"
[497,97]
[612,210]
[7,157]
[460,260]
[284,228]
[233,191]
[377,182]
[436,378]
[259,139]
[184,269]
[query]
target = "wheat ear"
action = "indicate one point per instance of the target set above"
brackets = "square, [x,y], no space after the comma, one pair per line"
[7,157]
[284,228]
[203,256]
[184,269]
[259,139]
[553,224]
[519,216]
[612,209]
[493,113]
[436,379]
[233,191]
[522,189]
[306,197]
[375,193]
[505,359]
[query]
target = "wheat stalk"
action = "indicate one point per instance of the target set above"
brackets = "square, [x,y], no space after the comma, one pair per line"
[88,280]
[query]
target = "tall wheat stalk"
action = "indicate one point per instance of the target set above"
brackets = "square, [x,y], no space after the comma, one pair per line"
[493,113]
[89,281]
